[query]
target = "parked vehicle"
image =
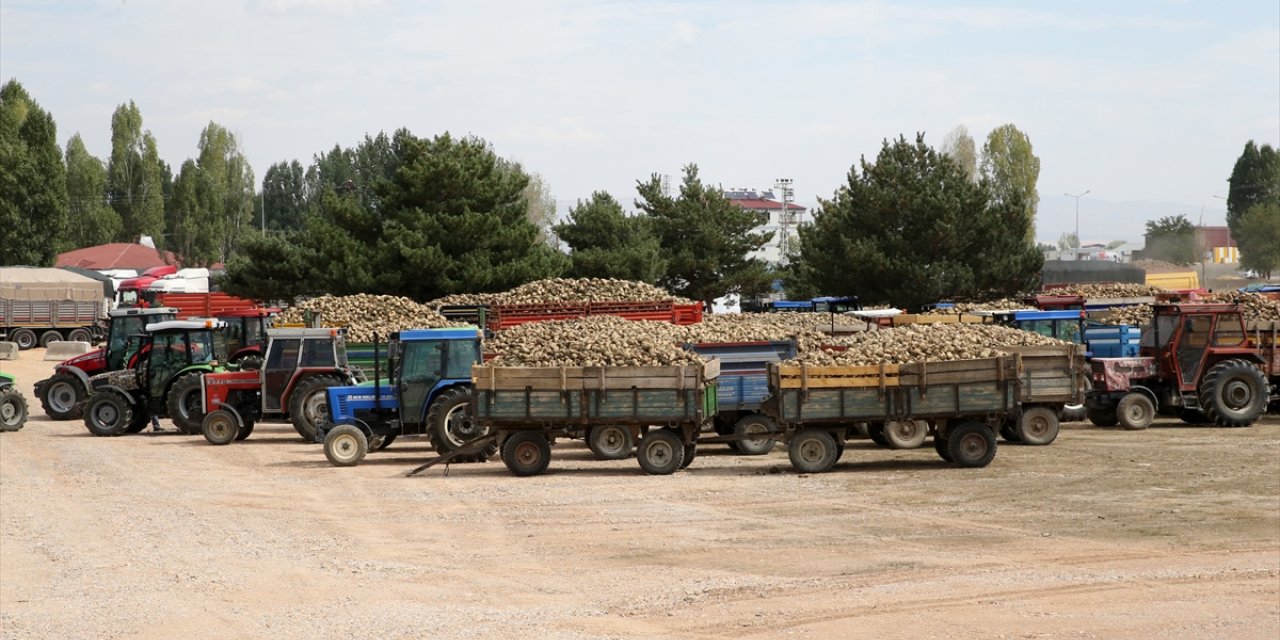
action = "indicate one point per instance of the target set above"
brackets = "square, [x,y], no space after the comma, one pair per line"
[246,334]
[39,306]
[164,381]
[742,386]
[1199,361]
[62,393]
[13,407]
[301,364]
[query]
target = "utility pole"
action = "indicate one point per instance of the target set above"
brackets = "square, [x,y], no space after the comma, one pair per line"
[1077,197]
[783,185]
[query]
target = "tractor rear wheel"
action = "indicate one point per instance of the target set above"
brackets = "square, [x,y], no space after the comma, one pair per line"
[876,431]
[308,404]
[186,403]
[1233,394]
[108,413]
[450,425]
[60,395]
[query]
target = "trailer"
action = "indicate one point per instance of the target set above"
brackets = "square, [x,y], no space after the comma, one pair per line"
[39,306]
[496,317]
[200,305]
[527,408]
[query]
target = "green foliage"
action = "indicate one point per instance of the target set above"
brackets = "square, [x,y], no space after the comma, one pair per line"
[1068,241]
[960,147]
[33,187]
[409,216]
[542,206]
[1013,169]
[706,239]
[90,219]
[1255,179]
[135,176]
[1259,238]
[284,196]
[1172,239]
[605,243]
[228,188]
[911,229]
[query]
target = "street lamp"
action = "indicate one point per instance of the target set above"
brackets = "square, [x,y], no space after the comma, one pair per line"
[1077,197]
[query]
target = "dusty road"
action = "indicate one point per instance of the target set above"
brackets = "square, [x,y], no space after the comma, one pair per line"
[1169,533]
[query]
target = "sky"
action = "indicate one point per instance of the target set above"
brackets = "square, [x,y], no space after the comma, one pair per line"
[1145,104]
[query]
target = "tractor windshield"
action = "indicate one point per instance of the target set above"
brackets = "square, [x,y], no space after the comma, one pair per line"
[122,327]
[1160,331]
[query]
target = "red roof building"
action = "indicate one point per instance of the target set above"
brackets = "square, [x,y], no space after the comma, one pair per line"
[117,255]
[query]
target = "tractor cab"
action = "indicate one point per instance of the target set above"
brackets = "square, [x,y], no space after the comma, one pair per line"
[125,323]
[426,391]
[163,379]
[1186,339]
[246,333]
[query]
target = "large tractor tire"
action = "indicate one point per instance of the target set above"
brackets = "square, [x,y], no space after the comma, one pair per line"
[450,427]
[61,395]
[108,414]
[1073,413]
[251,362]
[309,403]
[186,403]
[1233,394]
[13,409]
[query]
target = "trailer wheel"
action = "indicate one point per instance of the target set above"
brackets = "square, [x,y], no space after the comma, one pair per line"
[905,434]
[13,409]
[1009,431]
[1103,417]
[186,403]
[940,446]
[219,427]
[610,442]
[971,444]
[876,431]
[1038,426]
[1233,394]
[49,337]
[1135,411]
[245,430]
[80,335]
[307,404]
[812,451]
[526,453]
[660,452]
[345,446]
[839,449]
[24,338]
[60,395]
[753,424]
[1073,413]
[107,413]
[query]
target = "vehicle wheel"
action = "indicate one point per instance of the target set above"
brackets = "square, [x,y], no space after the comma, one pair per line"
[690,452]
[1038,426]
[49,337]
[1191,416]
[139,421]
[245,431]
[905,434]
[24,338]
[610,442]
[526,453]
[186,403]
[80,335]
[220,427]
[450,425]
[876,431]
[1103,417]
[971,444]
[1135,411]
[307,405]
[839,449]
[386,442]
[13,409]
[1073,413]
[940,446]
[752,424]
[108,413]
[660,452]
[60,395]
[345,446]
[251,362]
[1009,431]
[1233,394]
[812,451]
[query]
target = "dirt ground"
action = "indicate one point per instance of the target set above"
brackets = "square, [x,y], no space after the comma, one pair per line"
[1169,533]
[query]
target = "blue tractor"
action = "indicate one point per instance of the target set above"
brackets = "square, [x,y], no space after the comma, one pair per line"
[426,391]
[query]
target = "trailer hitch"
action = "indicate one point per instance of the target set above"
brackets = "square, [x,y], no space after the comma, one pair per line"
[473,447]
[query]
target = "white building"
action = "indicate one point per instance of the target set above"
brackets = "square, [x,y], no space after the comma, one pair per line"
[782,218]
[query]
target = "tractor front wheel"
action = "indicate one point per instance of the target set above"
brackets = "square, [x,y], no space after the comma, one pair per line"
[220,427]
[345,445]
[108,413]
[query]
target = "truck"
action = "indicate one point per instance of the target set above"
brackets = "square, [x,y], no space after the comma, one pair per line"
[525,409]
[39,306]
[301,364]
[961,403]
[427,391]
[129,292]
[1199,361]
[61,394]
[13,407]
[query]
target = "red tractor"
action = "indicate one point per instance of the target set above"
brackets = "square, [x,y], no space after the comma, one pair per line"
[1198,361]
[246,334]
[300,365]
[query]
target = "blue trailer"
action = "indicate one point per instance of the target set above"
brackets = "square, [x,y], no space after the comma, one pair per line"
[743,385]
[1112,340]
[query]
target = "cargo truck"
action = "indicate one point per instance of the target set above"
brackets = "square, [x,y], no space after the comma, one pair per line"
[39,306]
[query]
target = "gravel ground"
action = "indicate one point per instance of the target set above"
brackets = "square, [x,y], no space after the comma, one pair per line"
[1169,533]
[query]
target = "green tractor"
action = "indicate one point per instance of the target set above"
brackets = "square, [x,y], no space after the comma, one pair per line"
[13,407]
[165,380]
